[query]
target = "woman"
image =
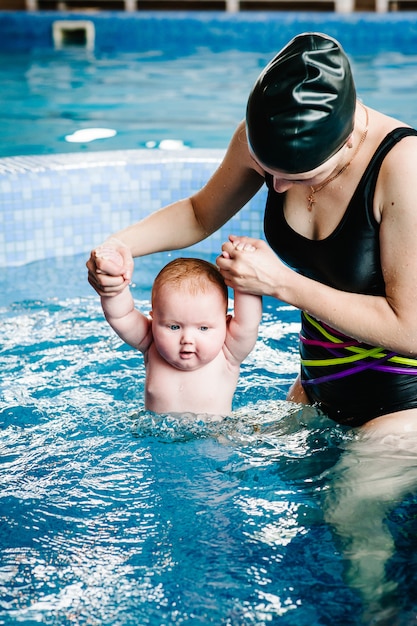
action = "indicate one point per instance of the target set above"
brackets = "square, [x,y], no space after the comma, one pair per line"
[341,217]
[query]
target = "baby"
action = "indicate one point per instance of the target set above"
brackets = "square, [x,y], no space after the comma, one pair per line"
[192,348]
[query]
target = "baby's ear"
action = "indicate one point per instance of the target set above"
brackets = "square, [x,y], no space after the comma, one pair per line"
[229,317]
[151,313]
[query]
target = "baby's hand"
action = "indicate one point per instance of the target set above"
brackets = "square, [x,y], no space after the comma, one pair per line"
[242,244]
[110,267]
[111,261]
[108,253]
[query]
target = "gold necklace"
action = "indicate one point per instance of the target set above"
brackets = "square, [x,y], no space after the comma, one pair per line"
[311,198]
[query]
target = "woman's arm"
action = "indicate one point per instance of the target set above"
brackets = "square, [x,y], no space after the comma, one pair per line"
[185,222]
[389,321]
[188,221]
[376,320]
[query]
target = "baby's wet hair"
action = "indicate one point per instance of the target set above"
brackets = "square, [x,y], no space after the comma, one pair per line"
[193,274]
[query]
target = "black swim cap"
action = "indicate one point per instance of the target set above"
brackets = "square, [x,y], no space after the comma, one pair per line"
[301,109]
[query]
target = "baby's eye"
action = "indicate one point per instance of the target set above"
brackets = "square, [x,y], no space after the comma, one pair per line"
[203,327]
[173,326]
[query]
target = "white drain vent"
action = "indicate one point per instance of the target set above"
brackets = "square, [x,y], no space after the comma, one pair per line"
[68,33]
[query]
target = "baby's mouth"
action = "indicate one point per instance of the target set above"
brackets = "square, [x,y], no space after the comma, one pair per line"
[186,354]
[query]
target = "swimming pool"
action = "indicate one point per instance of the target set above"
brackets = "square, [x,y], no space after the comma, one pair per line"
[65,203]
[173,96]
[74,101]
[111,515]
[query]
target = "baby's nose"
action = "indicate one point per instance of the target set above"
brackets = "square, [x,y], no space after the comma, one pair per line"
[187,336]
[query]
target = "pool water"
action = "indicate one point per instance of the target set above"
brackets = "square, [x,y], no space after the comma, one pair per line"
[155,99]
[113,515]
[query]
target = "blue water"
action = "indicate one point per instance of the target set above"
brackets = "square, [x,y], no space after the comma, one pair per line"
[156,99]
[114,516]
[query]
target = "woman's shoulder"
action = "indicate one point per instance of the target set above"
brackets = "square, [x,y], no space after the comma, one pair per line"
[398,173]
[238,152]
[391,137]
[382,125]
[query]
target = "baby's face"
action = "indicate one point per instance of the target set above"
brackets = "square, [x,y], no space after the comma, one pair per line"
[189,330]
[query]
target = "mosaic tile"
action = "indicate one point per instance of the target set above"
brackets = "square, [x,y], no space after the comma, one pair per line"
[59,204]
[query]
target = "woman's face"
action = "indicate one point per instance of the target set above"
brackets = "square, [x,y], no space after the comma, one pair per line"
[284,181]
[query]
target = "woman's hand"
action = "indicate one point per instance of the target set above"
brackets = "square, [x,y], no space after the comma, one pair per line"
[110,267]
[249,265]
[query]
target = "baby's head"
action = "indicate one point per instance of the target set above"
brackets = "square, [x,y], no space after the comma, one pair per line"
[195,276]
[189,313]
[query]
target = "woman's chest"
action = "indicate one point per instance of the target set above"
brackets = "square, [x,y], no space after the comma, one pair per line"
[340,249]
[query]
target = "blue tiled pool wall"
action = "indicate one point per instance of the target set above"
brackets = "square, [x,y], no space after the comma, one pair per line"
[65,204]
[182,32]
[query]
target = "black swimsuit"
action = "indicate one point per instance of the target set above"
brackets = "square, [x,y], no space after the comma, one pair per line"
[352,382]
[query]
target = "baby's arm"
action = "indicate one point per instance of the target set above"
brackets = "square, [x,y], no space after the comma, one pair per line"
[244,325]
[132,326]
